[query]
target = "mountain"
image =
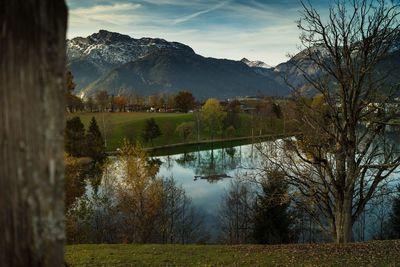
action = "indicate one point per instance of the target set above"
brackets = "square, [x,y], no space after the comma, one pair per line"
[388,68]
[169,70]
[91,57]
[256,64]
[121,64]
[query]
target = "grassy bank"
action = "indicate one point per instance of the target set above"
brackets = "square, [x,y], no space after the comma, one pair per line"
[376,253]
[117,126]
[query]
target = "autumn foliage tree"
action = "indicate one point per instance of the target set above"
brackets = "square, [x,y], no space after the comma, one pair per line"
[73,103]
[74,184]
[120,102]
[102,100]
[139,194]
[185,129]
[184,101]
[213,117]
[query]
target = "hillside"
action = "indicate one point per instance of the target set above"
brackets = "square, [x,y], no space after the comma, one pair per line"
[121,64]
[376,253]
[388,68]
[172,70]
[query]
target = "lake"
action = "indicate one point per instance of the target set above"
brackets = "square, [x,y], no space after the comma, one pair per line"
[191,169]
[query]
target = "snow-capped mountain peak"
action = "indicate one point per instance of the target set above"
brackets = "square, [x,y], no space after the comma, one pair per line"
[110,48]
[256,64]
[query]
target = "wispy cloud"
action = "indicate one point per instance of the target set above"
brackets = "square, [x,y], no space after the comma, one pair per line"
[118,13]
[196,14]
[256,29]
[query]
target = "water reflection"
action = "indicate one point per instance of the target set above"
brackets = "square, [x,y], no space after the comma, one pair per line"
[211,165]
[213,170]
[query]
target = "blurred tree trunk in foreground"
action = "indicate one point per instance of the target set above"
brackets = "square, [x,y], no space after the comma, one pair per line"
[32,89]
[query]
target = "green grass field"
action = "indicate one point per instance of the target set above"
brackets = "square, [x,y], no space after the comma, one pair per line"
[376,253]
[117,126]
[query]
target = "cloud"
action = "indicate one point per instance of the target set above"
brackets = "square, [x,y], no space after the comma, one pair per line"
[256,29]
[196,14]
[115,14]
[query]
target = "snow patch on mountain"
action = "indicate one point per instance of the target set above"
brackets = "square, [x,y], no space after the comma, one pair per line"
[256,64]
[114,49]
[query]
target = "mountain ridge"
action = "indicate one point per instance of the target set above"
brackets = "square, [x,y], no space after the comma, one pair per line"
[121,64]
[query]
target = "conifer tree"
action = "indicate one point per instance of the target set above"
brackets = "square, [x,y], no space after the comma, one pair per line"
[272,221]
[75,137]
[95,142]
[151,130]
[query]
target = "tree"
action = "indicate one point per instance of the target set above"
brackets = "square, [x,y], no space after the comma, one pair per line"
[235,214]
[213,116]
[73,102]
[74,182]
[179,222]
[94,217]
[32,90]
[139,194]
[232,117]
[120,102]
[95,142]
[89,104]
[394,221]
[170,102]
[151,130]
[272,220]
[185,129]
[102,100]
[342,155]
[75,137]
[184,101]
[70,84]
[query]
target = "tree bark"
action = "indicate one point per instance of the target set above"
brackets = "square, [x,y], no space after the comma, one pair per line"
[32,87]
[343,219]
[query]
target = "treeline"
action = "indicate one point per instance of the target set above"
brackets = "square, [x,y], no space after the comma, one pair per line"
[266,212]
[182,101]
[132,204]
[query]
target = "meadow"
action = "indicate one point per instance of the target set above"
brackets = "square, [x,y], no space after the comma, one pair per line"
[373,253]
[129,125]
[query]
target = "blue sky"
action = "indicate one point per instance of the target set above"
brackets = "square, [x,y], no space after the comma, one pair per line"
[257,29]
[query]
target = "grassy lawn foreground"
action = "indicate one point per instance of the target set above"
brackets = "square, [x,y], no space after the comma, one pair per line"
[375,253]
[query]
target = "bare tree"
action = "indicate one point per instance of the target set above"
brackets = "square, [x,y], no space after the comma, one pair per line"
[32,87]
[236,214]
[343,155]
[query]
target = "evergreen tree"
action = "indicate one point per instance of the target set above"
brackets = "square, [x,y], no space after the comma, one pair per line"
[75,137]
[272,221]
[151,130]
[95,142]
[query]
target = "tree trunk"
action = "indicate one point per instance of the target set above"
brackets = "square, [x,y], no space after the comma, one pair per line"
[32,89]
[343,220]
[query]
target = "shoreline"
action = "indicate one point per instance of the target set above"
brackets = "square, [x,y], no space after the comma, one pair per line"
[205,144]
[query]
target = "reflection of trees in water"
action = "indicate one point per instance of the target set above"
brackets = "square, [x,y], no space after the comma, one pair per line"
[169,162]
[211,162]
[185,159]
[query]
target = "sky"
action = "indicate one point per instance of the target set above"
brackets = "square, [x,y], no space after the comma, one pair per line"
[256,29]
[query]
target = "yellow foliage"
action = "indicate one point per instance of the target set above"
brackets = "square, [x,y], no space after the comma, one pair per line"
[140,192]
